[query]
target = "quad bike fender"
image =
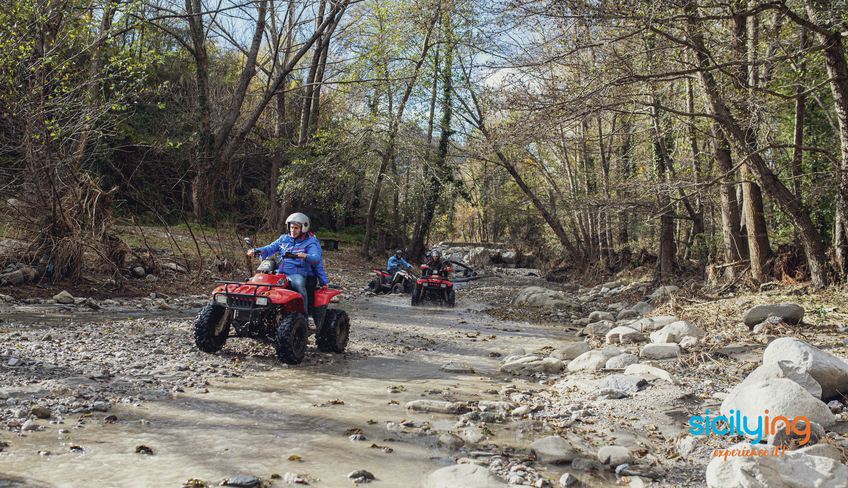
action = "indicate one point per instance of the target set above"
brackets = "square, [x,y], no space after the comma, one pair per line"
[290,300]
[322,297]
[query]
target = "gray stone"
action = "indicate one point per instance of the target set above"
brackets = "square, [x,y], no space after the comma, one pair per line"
[649,324]
[660,351]
[592,360]
[687,445]
[553,449]
[567,480]
[599,328]
[627,313]
[570,351]
[64,298]
[664,291]
[829,371]
[690,342]
[783,369]
[779,396]
[650,372]
[457,367]
[599,316]
[586,464]
[644,308]
[794,469]
[781,438]
[29,425]
[436,406]
[676,331]
[824,450]
[614,455]
[624,335]
[622,361]
[243,481]
[139,272]
[625,383]
[463,476]
[41,411]
[535,296]
[531,364]
[791,313]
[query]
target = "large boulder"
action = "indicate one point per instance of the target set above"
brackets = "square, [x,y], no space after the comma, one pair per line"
[795,469]
[570,351]
[536,296]
[660,351]
[533,364]
[649,324]
[463,476]
[598,316]
[553,449]
[779,396]
[783,369]
[791,313]
[624,335]
[592,360]
[829,371]
[676,331]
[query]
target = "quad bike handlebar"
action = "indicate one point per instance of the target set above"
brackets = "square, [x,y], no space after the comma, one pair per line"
[249,242]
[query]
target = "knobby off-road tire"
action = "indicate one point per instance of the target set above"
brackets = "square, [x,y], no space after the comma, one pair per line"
[374,286]
[408,286]
[292,337]
[416,296]
[212,327]
[397,289]
[336,331]
[452,298]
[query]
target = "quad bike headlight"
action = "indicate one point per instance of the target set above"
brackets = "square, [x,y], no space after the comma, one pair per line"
[262,301]
[222,299]
[444,285]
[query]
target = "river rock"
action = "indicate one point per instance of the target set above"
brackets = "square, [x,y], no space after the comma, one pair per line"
[687,445]
[649,324]
[436,406]
[660,351]
[621,382]
[451,441]
[823,450]
[780,396]
[650,372]
[536,296]
[568,480]
[499,406]
[533,364]
[644,308]
[794,469]
[626,314]
[829,371]
[624,335]
[664,291]
[64,298]
[592,360]
[472,435]
[622,361]
[570,351]
[18,277]
[783,369]
[599,316]
[791,313]
[243,481]
[614,455]
[599,328]
[41,411]
[463,476]
[690,342]
[676,331]
[553,449]
[586,464]
[781,438]
[457,367]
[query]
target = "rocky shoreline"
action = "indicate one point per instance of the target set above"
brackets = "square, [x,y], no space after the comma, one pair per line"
[613,405]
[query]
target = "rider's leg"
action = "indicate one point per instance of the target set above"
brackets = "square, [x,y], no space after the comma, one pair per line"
[298,284]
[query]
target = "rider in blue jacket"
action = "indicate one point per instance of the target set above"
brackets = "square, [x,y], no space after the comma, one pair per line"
[396,261]
[299,241]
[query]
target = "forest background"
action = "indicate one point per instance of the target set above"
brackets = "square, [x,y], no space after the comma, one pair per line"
[704,138]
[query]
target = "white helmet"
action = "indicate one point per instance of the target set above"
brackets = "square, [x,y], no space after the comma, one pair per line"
[298,218]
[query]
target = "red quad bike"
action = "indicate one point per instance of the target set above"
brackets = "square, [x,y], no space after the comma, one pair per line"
[264,308]
[434,286]
[400,281]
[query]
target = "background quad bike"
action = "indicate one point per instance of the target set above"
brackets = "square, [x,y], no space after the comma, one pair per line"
[263,308]
[394,282]
[430,287]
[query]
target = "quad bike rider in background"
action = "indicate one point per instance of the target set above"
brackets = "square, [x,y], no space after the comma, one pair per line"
[434,283]
[393,280]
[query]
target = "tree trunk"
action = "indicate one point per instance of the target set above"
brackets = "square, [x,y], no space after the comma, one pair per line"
[767,180]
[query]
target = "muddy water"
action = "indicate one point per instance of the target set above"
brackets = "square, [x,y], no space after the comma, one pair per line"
[294,419]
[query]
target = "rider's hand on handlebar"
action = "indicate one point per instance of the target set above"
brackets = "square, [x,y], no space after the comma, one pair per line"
[301,255]
[324,287]
[250,252]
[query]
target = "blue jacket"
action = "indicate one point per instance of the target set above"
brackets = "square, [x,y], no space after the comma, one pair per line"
[395,263]
[306,243]
[317,270]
